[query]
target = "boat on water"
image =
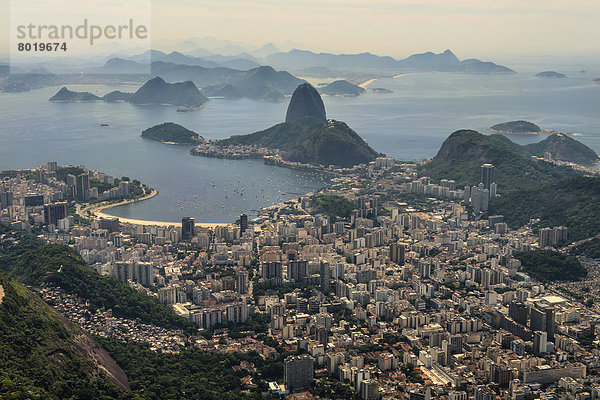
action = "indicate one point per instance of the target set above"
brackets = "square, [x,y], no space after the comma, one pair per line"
[184,109]
[104,124]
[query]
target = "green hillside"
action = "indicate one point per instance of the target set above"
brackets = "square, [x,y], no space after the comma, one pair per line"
[463,152]
[311,141]
[550,265]
[564,148]
[574,203]
[62,266]
[43,356]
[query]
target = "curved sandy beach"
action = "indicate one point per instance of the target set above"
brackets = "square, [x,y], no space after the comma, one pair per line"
[98,212]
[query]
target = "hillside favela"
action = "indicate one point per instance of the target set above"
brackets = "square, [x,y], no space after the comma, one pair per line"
[300,200]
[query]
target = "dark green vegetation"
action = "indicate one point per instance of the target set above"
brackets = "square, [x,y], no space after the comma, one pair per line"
[13,173]
[463,153]
[191,374]
[550,74]
[172,133]
[157,91]
[13,241]
[45,357]
[65,95]
[342,88]
[334,206]
[63,267]
[589,249]
[563,148]
[517,127]
[573,203]
[311,141]
[550,265]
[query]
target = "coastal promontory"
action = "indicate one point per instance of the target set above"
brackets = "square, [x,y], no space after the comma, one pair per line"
[306,137]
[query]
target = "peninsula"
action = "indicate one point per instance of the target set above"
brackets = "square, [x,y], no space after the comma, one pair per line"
[306,137]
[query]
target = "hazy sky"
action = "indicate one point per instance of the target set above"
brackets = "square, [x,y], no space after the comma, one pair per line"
[471,28]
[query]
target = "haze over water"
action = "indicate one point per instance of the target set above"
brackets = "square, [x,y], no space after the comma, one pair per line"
[409,124]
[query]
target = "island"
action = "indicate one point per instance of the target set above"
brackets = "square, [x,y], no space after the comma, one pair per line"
[171,133]
[64,95]
[517,128]
[156,91]
[550,74]
[381,90]
[342,88]
[306,137]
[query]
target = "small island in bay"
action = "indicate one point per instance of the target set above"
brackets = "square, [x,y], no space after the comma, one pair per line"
[381,90]
[517,128]
[342,88]
[65,95]
[172,133]
[550,74]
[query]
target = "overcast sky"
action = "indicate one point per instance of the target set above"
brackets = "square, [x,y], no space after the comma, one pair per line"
[471,28]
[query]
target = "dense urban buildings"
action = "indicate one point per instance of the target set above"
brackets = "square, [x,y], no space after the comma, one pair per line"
[390,298]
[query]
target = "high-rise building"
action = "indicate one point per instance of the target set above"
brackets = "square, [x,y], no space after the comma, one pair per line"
[82,186]
[298,372]
[519,312]
[6,199]
[271,270]
[187,228]
[540,342]
[241,281]
[55,211]
[298,270]
[243,223]
[110,224]
[487,175]
[325,277]
[397,253]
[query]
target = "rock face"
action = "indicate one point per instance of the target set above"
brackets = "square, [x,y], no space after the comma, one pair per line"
[306,102]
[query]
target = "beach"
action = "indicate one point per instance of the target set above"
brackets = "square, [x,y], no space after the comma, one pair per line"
[98,212]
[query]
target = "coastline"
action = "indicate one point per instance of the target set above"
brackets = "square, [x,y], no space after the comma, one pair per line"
[98,213]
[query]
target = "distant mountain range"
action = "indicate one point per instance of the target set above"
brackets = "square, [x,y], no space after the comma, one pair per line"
[426,62]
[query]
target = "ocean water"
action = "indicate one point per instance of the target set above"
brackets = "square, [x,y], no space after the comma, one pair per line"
[410,124]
